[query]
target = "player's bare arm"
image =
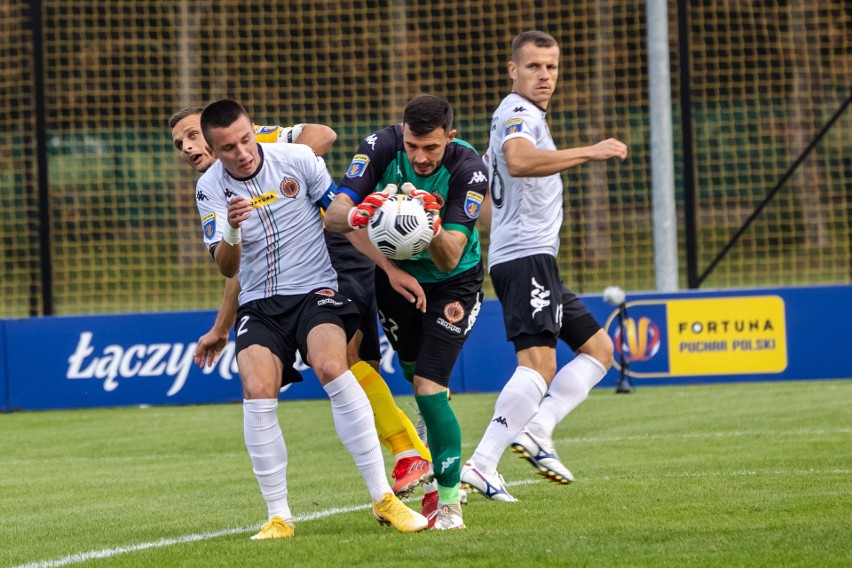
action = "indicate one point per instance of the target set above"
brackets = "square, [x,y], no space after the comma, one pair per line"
[446,249]
[337,215]
[318,136]
[484,219]
[405,284]
[523,159]
[210,345]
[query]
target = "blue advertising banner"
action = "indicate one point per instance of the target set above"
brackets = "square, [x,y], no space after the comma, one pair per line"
[675,338]
[140,359]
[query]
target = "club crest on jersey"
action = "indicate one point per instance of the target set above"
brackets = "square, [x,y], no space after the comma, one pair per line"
[289,187]
[358,165]
[473,203]
[208,225]
[265,129]
[514,126]
[265,199]
[454,312]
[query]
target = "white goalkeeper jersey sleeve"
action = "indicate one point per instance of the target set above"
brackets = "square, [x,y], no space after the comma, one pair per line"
[284,252]
[527,212]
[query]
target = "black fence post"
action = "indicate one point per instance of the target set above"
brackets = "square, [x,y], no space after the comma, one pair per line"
[44,257]
[689,201]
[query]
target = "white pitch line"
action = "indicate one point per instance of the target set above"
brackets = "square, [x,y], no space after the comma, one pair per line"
[81,557]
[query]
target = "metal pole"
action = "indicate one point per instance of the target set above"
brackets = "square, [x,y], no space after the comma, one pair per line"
[45,259]
[662,158]
[689,197]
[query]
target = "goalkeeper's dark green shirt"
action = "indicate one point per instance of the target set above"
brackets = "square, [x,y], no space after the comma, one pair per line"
[459,183]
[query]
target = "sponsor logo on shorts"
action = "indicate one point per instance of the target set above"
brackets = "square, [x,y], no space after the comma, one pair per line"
[208,225]
[263,200]
[331,301]
[539,297]
[289,187]
[454,312]
[447,325]
[474,313]
[358,166]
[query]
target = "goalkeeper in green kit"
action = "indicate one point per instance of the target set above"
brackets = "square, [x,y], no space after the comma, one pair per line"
[423,157]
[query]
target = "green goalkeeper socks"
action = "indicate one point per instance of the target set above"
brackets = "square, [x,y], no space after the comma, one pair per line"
[444,434]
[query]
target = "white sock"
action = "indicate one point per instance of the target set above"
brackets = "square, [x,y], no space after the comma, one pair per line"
[268,453]
[569,388]
[356,428]
[516,405]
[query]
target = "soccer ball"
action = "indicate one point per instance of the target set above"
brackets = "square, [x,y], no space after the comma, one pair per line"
[401,228]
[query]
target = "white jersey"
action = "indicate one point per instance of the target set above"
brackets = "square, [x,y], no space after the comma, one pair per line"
[284,251]
[527,212]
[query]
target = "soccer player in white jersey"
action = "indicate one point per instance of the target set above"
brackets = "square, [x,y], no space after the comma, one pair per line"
[261,219]
[526,192]
[355,280]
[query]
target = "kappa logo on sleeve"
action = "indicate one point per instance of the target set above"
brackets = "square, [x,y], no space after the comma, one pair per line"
[514,126]
[358,166]
[208,225]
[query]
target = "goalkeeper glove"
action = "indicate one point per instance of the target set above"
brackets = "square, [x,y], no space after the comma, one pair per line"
[360,215]
[430,204]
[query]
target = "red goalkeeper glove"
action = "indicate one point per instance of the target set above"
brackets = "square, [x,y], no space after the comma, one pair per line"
[360,215]
[430,204]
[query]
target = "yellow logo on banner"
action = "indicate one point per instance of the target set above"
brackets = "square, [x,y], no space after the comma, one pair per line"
[723,336]
[265,199]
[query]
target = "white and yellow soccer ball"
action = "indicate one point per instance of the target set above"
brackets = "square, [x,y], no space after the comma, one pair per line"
[401,228]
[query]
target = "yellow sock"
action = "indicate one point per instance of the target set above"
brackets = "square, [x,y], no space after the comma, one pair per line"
[412,434]
[393,431]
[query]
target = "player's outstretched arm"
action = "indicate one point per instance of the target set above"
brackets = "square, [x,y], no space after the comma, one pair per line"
[211,344]
[405,284]
[337,214]
[318,136]
[343,215]
[523,159]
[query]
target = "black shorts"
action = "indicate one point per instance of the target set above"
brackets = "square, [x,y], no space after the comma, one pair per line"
[357,281]
[433,340]
[282,324]
[537,307]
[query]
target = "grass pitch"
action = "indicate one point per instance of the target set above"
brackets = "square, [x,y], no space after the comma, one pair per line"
[752,474]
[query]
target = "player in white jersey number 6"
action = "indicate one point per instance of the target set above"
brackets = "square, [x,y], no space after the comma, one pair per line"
[526,191]
[262,220]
